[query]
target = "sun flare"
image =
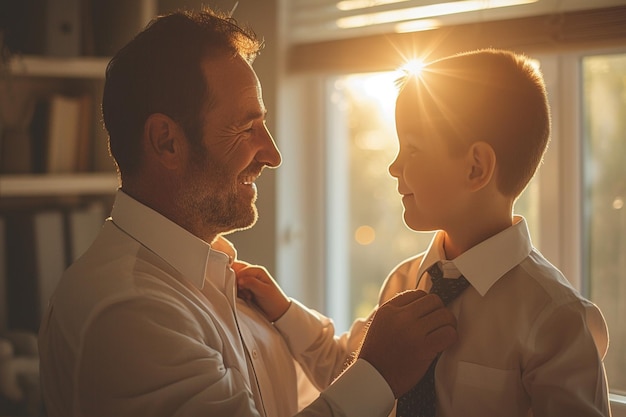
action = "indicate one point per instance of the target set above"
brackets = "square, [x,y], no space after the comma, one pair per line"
[413,67]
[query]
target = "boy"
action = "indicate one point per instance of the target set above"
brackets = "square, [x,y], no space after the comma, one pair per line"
[472,130]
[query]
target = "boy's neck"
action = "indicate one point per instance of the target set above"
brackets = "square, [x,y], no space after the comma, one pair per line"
[458,240]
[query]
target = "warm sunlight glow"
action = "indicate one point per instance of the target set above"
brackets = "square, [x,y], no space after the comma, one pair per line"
[421,12]
[377,88]
[413,67]
[535,64]
[417,25]
[364,4]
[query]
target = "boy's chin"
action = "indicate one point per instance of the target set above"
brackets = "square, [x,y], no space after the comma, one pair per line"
[412,223]
[417,225]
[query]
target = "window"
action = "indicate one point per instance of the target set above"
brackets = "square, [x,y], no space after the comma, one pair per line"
[372,238]
[604,194]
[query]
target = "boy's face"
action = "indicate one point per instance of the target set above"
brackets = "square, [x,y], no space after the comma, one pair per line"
[430,177]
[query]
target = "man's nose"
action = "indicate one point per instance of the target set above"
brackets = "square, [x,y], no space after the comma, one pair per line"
[269,153]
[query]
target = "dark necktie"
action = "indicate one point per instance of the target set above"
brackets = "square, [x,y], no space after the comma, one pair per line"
[421,399]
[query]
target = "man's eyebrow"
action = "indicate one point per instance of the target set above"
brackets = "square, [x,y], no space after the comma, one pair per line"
[253,115]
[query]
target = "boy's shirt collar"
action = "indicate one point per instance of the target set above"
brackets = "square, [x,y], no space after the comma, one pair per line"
[488,261]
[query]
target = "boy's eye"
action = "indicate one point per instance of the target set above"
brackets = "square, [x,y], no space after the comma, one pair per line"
[410,143]
[412,149]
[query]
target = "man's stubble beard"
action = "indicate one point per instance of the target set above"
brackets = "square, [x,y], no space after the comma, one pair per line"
[217,205]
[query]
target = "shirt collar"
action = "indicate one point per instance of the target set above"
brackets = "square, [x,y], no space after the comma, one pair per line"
[188,254]
[486,262]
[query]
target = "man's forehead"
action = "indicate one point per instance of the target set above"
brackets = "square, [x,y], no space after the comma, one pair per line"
[229,70]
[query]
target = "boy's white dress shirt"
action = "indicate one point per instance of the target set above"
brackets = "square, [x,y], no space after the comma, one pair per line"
[529,343]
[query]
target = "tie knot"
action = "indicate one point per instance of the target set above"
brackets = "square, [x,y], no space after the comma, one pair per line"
[435,271]
[446,288]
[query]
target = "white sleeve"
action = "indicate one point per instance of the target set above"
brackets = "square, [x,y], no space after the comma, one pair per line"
[359,391]
[312,342]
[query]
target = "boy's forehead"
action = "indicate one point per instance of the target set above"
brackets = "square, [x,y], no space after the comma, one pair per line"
[436,101]
[419,110]
[421,118]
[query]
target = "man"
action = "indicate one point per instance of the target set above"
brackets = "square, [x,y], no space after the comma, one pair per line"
[147,322]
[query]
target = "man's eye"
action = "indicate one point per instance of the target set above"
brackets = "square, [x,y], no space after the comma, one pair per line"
[246,130]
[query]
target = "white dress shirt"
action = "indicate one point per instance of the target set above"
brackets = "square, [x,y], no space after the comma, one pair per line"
[529,344]
[147,323]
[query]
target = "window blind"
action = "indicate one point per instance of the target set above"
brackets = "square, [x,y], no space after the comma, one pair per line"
[310,21]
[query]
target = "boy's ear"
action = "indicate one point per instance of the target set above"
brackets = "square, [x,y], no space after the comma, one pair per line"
[482,165]
[164,139]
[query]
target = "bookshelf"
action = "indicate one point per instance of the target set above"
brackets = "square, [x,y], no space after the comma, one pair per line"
[39,204]
[30,76]
[50,212]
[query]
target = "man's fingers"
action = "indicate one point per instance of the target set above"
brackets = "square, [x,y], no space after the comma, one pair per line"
[442,338]
[250,282]
[238,265]
[255,271]
[417,303]
[438,317]
[405,298]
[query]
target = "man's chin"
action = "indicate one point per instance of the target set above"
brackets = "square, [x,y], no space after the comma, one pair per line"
[244,223]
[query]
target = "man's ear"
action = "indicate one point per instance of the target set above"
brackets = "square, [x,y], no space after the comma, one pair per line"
[164,139]
[482,165]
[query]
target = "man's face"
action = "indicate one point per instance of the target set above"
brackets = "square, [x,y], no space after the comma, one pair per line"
[236,146]
[430,177]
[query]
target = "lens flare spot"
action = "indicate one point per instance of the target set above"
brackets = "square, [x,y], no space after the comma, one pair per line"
[364,235]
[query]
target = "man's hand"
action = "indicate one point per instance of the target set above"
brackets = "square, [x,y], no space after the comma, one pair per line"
[405,335]
[255,284]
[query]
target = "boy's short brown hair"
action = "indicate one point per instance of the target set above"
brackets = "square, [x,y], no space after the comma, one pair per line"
[489,95]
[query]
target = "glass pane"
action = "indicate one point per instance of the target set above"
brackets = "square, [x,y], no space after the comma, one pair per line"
[604,167]
[376,237]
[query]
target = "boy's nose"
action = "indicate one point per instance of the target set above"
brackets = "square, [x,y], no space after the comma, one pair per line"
[394,168]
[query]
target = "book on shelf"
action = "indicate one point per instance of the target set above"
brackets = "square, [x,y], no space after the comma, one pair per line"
[63,36]
[39,136]
[35,259]
[3,276]
[15,151]
[16,147]
[36,246]
[63,127]
[61,134]
[85,134]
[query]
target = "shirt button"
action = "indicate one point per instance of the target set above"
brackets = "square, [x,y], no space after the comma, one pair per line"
[255,354]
